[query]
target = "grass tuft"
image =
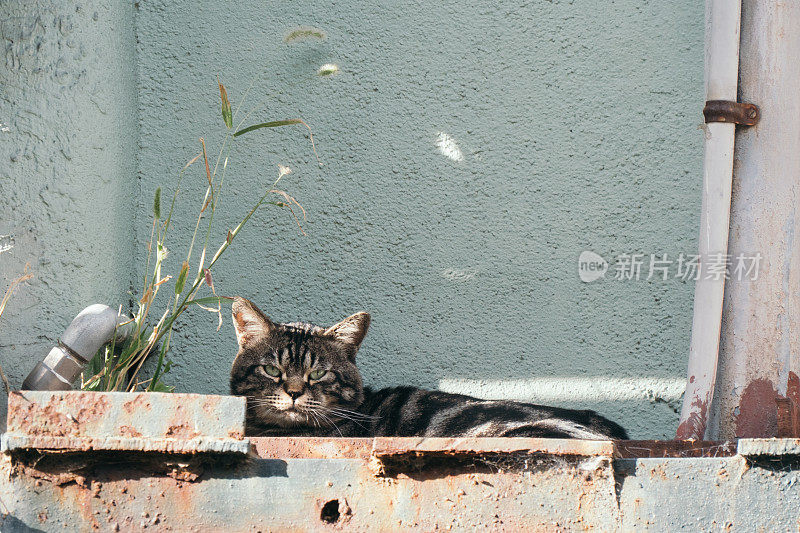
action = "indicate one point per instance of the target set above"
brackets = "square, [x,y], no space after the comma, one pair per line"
[117,368]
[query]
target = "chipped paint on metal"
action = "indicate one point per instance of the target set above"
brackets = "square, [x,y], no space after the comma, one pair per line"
[759,341]
[327,484]
[694,427]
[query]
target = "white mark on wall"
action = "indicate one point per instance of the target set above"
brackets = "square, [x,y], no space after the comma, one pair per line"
[557,390]
[6,243]
[447,147]
[4,128]
[459,275]
[328,69]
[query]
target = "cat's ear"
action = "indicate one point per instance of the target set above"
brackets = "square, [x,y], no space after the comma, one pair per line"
[350,331]
[250,323]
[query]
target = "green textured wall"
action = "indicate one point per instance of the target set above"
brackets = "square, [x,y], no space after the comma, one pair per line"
[67,167]
[578,128]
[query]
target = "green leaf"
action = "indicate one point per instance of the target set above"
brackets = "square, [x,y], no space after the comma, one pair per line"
[181,278]
[273,124]
[210,300]
[157,204]
[226,106]
[160,387]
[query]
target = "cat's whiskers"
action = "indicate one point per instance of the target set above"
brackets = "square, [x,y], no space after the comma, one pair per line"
[340,416]
[339,410]
[331,422]
[316,420]
[353,414]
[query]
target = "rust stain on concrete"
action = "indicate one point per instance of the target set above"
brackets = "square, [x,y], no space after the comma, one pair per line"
[137,404]
[129,431]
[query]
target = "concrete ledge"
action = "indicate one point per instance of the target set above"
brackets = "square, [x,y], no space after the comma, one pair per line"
[768,447]
[82,421]
[385,447]
[12,442]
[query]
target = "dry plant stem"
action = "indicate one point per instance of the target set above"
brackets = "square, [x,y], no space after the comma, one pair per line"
[120,372]
[151,290]
[6,384]
[292,200]
[214,200]
[149,254]
[6,297]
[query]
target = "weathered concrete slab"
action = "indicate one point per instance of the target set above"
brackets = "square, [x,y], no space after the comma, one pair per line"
[385,447]
[313,493]
[768,447]
[80,421]
[707,494]
[381,484]
[310,495]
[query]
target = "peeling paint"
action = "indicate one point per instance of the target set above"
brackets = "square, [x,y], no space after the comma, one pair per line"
[694,427]
[758,415]
[332,487]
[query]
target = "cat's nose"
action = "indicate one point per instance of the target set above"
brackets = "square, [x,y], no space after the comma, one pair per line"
[293,390]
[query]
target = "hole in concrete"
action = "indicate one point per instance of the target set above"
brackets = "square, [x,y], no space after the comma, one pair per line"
[330,512]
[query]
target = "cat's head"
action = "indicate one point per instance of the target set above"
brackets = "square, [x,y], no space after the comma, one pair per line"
[296,374]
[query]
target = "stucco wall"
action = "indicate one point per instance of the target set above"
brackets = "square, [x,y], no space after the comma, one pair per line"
[577,123]
[67,167]
[577,126]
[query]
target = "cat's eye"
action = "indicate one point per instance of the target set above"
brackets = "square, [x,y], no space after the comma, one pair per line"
[317,374]
[272,370]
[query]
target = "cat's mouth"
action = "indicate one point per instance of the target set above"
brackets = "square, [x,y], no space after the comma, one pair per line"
[282,411]
[296,413]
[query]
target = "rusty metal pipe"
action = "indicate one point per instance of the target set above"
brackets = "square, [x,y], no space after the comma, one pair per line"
[760,341]
[722,70]
[88,332]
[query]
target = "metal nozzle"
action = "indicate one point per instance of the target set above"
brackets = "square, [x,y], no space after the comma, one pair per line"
[90,330]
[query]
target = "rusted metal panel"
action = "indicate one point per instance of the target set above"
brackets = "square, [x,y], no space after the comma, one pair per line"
[313,494]
[788,418]
[760,336]
[392,456]
[639,449]
[306,491]
[727,494]
[386,447]
[381,484]
[311,448]
[168,445]
[74,420]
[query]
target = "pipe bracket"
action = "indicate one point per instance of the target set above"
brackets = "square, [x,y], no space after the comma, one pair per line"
[740,113]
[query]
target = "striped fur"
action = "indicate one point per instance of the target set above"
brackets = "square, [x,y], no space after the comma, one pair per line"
[293,402]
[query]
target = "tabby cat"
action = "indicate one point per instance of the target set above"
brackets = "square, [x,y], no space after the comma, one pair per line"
[302,380]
